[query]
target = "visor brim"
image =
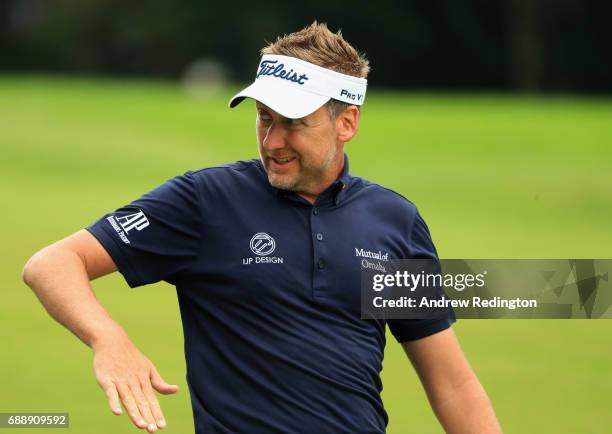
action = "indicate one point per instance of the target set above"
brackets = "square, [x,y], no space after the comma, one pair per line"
[286,100]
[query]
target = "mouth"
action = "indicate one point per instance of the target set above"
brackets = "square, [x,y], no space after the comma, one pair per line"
[280,162]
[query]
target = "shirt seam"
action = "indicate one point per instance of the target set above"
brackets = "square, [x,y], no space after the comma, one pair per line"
[201,213]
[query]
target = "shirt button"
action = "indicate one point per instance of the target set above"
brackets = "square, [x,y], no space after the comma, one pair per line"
[315,211]
[320,236]
[321,264]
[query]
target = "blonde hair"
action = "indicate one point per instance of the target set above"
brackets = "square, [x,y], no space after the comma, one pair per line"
[319,45]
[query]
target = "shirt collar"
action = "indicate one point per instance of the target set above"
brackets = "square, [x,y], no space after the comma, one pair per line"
[345,177]
[339,188]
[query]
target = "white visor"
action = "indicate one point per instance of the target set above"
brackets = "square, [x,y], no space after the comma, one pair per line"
[295,88]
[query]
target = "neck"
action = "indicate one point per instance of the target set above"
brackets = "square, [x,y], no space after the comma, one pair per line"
[330,177]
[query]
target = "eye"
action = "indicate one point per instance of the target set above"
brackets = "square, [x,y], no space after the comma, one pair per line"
[294,122]
[264,116]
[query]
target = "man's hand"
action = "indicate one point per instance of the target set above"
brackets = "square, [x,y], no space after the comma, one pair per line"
[60,275]
[126,375]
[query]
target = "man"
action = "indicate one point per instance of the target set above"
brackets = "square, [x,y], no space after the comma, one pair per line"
[266,256]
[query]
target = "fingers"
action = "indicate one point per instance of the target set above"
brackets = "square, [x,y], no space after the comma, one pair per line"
[125,393]
[158,416]
[143,405]
[160,384]
[113,398]
[130,379]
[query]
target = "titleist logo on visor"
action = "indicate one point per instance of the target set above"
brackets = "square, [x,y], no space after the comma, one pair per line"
[275,69]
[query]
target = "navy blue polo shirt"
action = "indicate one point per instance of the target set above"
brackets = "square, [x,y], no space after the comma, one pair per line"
[269,293]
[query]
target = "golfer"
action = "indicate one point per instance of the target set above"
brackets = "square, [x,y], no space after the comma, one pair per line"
[266,256]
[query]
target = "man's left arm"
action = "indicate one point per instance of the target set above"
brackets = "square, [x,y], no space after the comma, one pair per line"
[454,392]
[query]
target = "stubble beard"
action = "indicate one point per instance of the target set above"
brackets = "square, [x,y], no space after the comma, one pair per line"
[281,184]
[306,176]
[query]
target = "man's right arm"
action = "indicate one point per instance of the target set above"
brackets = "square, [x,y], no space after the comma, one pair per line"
[60,276]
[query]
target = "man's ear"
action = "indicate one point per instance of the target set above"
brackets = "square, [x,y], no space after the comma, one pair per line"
[347,123]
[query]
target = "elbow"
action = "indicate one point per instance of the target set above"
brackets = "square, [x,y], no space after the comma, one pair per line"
[33,269]
[30,269]
[46,264]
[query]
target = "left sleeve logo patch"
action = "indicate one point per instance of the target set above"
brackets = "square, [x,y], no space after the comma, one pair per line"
[123,225]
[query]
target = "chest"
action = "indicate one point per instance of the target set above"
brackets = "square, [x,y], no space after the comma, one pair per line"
[296,254]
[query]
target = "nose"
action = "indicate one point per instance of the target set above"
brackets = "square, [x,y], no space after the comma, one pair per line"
[274,137]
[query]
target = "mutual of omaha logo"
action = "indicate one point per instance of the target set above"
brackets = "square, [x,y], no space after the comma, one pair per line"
[372,260]
[123,225]
[262,244]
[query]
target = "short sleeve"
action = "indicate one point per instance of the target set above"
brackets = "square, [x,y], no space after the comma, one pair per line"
[156,237]
[420,246]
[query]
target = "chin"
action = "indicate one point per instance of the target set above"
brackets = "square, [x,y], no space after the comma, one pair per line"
[282,182]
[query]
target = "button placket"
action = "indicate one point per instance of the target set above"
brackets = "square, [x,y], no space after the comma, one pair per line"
[319,254]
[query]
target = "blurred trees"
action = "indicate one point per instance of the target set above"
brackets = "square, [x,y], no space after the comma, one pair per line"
[535,45]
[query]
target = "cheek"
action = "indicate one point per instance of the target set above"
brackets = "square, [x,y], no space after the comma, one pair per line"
[261,133]
[312,148]
[327,143]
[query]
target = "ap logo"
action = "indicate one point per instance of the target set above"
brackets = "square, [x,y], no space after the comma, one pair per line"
[136,221]
[262,244]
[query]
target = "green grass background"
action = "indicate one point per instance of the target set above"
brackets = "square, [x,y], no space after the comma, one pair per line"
[495,176]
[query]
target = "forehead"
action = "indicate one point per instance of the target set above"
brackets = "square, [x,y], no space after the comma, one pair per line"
[313,115]
[262,106]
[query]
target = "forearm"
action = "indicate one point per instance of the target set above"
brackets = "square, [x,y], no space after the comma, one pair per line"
[59,279]
[466,409]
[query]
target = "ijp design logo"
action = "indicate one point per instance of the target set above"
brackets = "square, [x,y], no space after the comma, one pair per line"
[262,244]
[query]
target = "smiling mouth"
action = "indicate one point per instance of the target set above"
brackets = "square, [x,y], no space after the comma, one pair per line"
[282,161]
